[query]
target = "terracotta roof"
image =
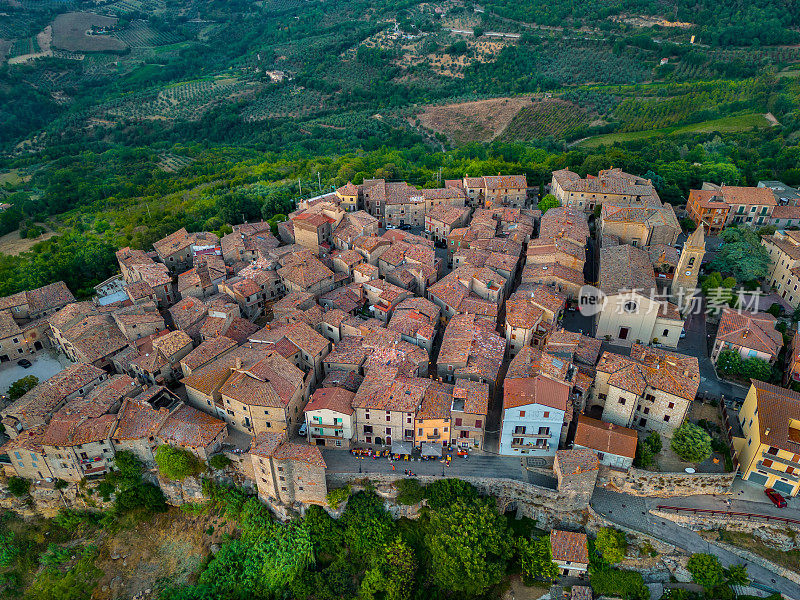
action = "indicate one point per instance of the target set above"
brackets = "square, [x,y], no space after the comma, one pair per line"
[138,420]
[748,195]
[271,382]
[49,297]
[537,390]
[577,461]
[606,437]
[211,376]
[8,326]
[27,439]
[625,267]
[569,546]
[37,405]
[191,428]
[188,312]
[349,380]
[472,349]
[276,446]
[306,274]
[525,308]
[174,242]
[777,407]
[437,401]
[754,331]
[676,374]
[172,343]
[584,348]
[337,399]
[207,351]
[471,397]
[609,181]
[74,430]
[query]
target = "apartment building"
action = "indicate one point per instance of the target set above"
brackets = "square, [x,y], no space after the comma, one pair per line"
[768,453]
[288,472]
[471,349]
[783,248]
[533,415]
[531,312]
[751,335]
[585,194]
[329,417]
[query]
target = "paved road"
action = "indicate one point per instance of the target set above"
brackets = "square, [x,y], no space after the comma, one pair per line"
[477,465]
[632,512]
[696,344]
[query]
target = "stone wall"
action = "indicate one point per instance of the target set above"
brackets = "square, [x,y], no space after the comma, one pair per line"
[638,482]
[47,501]
[548,507]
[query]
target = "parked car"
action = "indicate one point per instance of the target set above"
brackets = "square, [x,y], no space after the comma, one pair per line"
[776,498]
[405,227]
[303,429]
[390,226]
[683,333]
[25,363]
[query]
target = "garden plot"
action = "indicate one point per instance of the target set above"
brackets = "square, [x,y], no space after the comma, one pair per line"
[70,32]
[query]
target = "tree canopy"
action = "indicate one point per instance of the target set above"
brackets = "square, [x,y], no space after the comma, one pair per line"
[691,443]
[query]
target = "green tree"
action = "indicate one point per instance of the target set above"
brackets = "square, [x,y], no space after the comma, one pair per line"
[691,443]
[611,543]
[22,386]
[19,486]
[366,525]
[536,559]
[737,575]
[131,491]
[706,570]
[392,574]
[219,461]
[729,362]
[742,255]
[470,546]
[176,463]
[548,202]
[477,32]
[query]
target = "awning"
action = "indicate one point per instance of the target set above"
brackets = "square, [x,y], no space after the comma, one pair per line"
[431,449]
[402,448]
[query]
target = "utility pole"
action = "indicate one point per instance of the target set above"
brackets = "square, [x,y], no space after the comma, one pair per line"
[319,183]
[300,186]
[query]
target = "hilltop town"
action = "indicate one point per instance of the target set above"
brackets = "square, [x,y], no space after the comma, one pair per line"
[563,349]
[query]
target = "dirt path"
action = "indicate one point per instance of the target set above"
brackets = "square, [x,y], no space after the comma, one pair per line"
[771,118]
[12,244]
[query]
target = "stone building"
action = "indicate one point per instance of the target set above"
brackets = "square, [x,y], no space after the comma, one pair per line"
[615,445]
[287,472]
[650,390]
[576,471]
[570,552]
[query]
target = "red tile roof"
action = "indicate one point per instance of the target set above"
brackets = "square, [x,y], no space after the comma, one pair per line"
[569,546]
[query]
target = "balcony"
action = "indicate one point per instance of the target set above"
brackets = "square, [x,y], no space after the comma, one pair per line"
[784,461]
[544,448]
[535,436]
[326,426]
[791,477]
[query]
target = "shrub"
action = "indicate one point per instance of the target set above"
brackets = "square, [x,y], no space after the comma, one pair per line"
[219,461]
[623,584]
[706,570]
[338,495]
[22,386]
[548,202]
[691,443]
[445,492]
[611,543]
[177,464]
[60,484]
[19,486]
[410,490]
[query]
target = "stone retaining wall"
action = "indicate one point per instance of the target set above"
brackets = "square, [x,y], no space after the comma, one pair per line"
[638,482]
[547,506]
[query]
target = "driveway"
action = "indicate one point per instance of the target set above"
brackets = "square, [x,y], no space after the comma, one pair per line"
[45,364]
[633,512]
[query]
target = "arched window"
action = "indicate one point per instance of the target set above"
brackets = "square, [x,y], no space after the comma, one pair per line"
[691,261]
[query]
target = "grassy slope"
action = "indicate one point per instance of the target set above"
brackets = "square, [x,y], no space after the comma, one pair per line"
[723,125]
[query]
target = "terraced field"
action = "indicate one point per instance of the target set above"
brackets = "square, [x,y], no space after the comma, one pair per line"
[552,117]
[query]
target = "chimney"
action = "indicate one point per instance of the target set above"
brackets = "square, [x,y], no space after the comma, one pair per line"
[238,363]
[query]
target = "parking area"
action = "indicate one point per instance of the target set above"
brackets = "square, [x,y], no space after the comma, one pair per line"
[44,365]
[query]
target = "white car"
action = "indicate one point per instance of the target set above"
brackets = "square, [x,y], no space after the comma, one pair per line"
[390,226]
[303,429]
[683,333]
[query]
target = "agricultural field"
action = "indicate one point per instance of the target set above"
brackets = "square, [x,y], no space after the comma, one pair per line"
[70,33]
[685,103]
[545,118]
[731,124]
[140,35]
[478,121]
[282,102]
[172,163]
[184,101]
